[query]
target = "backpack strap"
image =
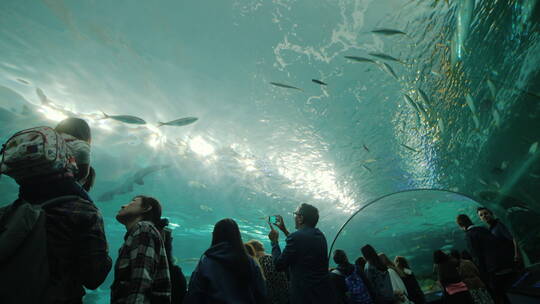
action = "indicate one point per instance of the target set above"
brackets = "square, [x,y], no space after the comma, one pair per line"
[59,200]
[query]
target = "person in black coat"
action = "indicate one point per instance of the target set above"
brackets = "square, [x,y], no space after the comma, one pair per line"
[305,256]
[339,274]
[494,258]
[226,274]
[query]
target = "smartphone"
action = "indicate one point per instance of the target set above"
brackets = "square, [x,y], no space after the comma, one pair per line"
[273,219]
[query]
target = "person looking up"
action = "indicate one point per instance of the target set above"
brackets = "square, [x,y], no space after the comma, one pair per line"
[141,272]
[305,256]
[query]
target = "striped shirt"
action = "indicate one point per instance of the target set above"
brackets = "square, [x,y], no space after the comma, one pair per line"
[141,272]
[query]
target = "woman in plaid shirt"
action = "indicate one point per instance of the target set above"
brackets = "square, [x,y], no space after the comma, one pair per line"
[141,272]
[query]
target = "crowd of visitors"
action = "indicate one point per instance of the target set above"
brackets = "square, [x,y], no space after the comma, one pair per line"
[55,206]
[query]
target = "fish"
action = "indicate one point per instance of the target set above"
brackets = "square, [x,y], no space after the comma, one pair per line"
[476,121]
[422,110]
[22,81]
[389,70]
[42,97]
[366,167]
[319,82]
[385,57]
[504,165]
[470,103]
[464,18]
[371,160]
[125,119]
[441,125]
[365,148]
[492,88]
[388,32]
[410,101]
[381,230]
[127,185]
[496,118]
[533,148]
[424,96]
[286,86]
[412,149]
[483,182]
[179,122]
[360,59]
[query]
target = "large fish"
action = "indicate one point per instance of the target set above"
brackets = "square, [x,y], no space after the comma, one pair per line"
[127,185]
[286,86]
[125,119]
[359,59]
[385,57]
[179,122]
[388,32]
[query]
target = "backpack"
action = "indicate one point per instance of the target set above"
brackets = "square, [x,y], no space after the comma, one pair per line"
[358,291]
[24,266]
[35,152]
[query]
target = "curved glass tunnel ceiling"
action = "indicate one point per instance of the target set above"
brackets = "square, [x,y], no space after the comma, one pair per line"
[469,124]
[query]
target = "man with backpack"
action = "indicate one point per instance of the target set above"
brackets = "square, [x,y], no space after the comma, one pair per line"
[52,242]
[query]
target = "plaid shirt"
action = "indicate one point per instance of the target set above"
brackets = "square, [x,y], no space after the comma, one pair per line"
[141,272]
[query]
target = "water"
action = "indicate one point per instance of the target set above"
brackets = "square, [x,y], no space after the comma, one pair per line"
[258,149]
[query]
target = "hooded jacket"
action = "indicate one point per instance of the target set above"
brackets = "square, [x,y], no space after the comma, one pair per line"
[216,280]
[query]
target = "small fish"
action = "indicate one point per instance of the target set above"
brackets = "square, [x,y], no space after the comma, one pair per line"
[359,59]
[534,175]
[412,149]
[286,86]
[483,182]
[410,101]
[388,32]
[476,121]
[533,148]
[42,97]
[422,110]
[319,82]
[365,148]
[385,57]
[179,122]
[371,160]
[366,167]
[22,81]
[389,70]
[492,88]
[424,96]
[470,103]
[497,185]
[125,119]
[496,118]
[441,125]
[381,230]
[504,165]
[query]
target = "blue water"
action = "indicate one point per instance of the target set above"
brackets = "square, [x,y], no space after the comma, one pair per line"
[259,149]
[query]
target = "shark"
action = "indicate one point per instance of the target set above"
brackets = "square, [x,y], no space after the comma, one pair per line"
[128,185]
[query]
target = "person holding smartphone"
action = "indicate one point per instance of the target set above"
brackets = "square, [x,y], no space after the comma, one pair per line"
[305,256]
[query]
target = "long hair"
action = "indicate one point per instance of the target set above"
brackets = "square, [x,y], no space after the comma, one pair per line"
[227,231]
[386,261]
[401,262]
[154,214]
[372,258]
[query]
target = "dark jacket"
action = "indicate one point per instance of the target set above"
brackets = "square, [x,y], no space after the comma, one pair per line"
[413,288]
[214,281]
[306,258]
[77,249]
[337,278]
[488,251]
[380,283]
